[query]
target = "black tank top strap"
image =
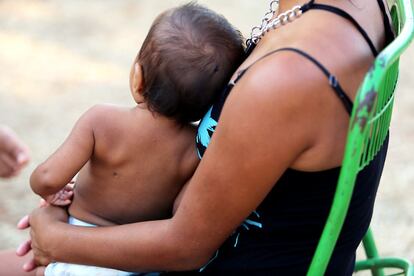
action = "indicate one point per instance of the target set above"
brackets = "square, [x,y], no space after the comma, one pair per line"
[333,82]
[389,33]
[314,6]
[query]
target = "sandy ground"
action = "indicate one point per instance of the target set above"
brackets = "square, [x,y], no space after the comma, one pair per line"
[58,58]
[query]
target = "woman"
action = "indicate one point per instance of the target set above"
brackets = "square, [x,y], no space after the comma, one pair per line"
[273,159]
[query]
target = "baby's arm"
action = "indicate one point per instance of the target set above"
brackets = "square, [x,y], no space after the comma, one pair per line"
[51,176]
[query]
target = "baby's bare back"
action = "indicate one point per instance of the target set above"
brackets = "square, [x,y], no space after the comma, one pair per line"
[139,164]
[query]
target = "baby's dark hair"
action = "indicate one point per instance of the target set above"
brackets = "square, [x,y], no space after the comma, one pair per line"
[187,57]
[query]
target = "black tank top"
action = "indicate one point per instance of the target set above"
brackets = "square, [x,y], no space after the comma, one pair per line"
[280,237]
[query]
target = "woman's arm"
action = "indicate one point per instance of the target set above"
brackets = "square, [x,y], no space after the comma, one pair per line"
[265,125]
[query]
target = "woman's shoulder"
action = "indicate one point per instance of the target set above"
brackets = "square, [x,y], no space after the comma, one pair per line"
[284,79]
[294,97]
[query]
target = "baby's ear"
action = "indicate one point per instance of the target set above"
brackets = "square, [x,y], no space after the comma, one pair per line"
[136,79]
[137,84]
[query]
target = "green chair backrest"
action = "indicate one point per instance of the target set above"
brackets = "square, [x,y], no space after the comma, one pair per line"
[368,128]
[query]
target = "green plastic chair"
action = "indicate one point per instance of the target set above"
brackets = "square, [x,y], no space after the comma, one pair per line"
[368,129]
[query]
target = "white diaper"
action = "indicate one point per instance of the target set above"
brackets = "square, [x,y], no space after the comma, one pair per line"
[64,269]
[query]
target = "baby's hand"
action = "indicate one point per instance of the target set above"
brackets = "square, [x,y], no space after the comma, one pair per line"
[61,198]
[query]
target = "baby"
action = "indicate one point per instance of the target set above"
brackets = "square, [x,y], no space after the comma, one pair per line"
[132,162]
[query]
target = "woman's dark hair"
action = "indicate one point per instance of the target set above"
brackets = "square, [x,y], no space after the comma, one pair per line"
[187,57]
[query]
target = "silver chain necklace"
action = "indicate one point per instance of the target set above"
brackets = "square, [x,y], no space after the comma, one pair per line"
[257,31]
[268,24]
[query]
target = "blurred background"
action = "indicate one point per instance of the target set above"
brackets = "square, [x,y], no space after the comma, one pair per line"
[58,58]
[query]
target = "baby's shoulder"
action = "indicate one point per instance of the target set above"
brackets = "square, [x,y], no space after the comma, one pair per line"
[103,115]
[106,110]
[106,121]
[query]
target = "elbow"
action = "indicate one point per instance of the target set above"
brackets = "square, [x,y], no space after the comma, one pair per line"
[192,261]
[187,257]
[200,261]
[41,181]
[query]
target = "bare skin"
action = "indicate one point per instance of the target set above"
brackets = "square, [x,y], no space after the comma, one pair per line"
[12,266]
[289,100]
[14,154]
[132,165]
[135,178]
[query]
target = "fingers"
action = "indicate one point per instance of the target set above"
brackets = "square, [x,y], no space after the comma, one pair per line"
[24,248]
[30,265]
[14,153]
[23,156]
[69,187]
[40,271]
[8,160]
[10,142]
[66,195]
[23,223]
[61,198]
[43,203]
[8,166]
[66,192]
[62,203]
[6,172]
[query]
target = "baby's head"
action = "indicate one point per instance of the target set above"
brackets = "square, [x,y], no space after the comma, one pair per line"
[186,59]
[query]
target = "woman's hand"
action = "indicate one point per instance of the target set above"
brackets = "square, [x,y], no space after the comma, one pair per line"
[42,225]
[42,222]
